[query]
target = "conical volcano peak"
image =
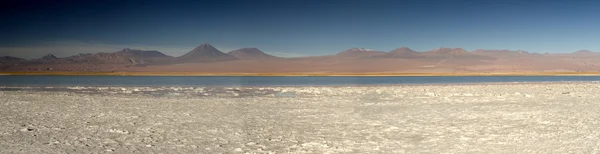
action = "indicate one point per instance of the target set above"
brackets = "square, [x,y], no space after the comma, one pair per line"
[49,57]
[403,50]
[250,53]
[205,46]
[205,52]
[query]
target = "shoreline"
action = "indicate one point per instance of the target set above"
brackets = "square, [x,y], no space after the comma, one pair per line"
[383,74]
[311,86]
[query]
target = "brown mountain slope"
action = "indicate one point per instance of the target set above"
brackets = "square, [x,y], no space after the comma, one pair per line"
[143,56]
[93,62]
[8,61]
[125,56]
[49,58]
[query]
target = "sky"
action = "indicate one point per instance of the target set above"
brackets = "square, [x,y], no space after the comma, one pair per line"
[291,28]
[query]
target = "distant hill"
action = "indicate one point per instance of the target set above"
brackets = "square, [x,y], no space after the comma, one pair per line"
[49,57]
[358,52]
[208,59]
[503,53]
[250,54]
[459,54]
[403,52]
[583,51]
[126,56]
[141,53]
[451,51]
[203,53]
[10,59]
[142,56]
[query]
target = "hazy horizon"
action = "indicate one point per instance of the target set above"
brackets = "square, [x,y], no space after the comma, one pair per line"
[296,28]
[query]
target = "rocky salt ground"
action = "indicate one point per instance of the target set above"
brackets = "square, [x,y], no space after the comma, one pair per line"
[499,118]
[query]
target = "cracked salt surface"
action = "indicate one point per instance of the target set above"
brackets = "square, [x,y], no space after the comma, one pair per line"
[499,118]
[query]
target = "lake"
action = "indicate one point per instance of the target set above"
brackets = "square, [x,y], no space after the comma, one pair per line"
[270,80]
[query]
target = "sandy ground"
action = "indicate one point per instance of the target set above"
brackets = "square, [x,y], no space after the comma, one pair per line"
[499,118]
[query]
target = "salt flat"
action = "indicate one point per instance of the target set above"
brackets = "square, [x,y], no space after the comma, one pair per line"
[493,118]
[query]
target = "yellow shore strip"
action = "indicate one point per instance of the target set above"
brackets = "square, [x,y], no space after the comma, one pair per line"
[306,74]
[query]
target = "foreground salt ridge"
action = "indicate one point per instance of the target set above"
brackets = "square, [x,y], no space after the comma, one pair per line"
[502,118]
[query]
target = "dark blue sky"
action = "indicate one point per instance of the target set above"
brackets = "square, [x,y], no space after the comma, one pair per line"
[297,27]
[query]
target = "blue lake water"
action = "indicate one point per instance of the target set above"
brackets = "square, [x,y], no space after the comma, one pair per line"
[270,81]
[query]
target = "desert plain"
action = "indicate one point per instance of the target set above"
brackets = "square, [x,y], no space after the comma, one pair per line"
[458,118]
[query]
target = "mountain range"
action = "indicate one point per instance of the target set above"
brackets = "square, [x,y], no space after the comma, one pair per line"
[208,59]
